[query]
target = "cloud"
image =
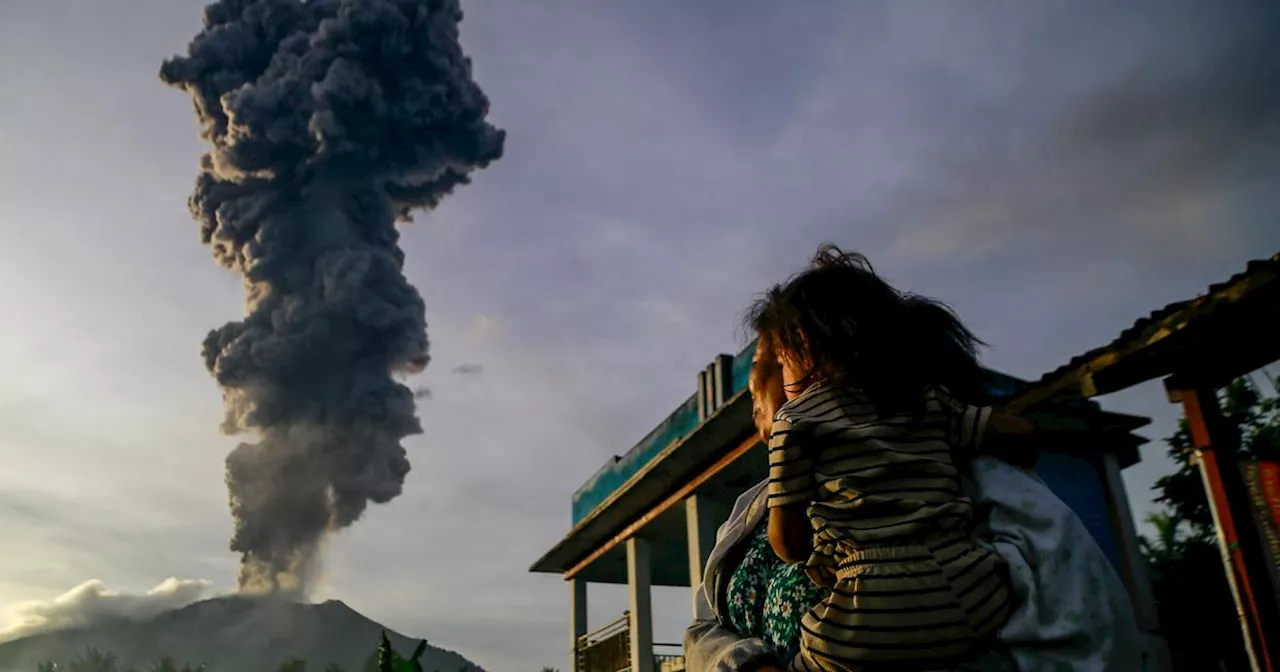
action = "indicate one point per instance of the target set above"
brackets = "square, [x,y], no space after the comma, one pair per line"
[469,369]
[92,602]
[1152,152]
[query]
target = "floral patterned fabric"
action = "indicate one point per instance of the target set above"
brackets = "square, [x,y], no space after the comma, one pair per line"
[767,597]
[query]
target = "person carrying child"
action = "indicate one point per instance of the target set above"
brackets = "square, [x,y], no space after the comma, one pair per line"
[865,465]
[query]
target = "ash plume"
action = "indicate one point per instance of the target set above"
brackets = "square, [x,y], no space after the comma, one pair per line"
[328,120]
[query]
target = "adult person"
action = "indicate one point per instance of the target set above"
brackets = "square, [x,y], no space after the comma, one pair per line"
[1073,612]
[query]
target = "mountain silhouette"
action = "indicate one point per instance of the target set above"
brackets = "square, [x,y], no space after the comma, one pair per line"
[231,634]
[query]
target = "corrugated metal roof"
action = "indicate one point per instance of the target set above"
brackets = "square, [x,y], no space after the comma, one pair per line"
[1168,320]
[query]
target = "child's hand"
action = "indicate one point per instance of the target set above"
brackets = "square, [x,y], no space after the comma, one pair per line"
[1012,439]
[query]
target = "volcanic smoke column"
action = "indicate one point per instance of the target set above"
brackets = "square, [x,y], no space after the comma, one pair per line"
[328,120]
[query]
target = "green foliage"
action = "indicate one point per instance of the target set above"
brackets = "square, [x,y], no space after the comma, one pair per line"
[1197,613]
[294,665]
[96,660]
[93,660]
[165,664]
[1255,417]
[387,657]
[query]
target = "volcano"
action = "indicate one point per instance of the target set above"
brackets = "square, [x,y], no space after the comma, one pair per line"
[231,634]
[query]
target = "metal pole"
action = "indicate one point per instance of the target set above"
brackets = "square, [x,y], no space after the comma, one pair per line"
[1216,456]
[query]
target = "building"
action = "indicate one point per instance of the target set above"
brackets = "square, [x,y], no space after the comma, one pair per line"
[649,517]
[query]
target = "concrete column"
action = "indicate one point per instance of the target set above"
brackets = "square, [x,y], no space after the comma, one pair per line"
[703,410]
[639,558]
[702,517]
[577,617]
[721,369]
[1135,567]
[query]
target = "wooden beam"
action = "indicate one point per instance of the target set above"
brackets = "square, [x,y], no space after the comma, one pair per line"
[672,500]
[1222,329]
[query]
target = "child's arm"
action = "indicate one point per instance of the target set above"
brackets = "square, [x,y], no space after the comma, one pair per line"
[790,533]
[982,430]
[791,489]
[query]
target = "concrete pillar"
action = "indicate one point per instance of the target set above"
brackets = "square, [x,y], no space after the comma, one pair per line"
[1135,567]
[639,559]
[577,617]
[703,408]
[722,378]
[702,517]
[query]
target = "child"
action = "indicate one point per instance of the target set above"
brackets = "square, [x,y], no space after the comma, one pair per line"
[865,459]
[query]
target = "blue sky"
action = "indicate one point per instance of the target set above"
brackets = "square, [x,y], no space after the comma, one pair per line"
[1053,170]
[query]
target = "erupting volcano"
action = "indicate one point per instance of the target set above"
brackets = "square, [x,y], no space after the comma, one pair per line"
[328,121]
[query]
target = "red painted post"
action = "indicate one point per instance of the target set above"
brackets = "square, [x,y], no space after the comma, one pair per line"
[1242,555]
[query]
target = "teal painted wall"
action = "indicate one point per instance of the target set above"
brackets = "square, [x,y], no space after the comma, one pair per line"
[607,481]
[676,426]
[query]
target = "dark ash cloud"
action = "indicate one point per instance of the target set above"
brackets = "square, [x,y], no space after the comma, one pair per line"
[328,121]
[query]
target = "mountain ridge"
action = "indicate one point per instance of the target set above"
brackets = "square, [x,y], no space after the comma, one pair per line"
[231,634]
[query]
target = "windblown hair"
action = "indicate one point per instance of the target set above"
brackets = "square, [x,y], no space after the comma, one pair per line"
[846,326]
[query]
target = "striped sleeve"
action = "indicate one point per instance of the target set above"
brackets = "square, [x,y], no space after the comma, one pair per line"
[791,477]
[967,423]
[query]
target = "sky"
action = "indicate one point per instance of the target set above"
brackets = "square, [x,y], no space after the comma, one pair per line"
[1052,170]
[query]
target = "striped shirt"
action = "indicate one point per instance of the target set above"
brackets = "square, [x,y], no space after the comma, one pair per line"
[874,479]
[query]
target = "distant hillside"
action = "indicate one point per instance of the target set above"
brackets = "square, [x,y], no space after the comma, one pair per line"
[231,634]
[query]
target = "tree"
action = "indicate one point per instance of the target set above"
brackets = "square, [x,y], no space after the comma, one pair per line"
[93,660]
[1197,612]
[164,664]
[1256,418]
[295,665]
[387,657]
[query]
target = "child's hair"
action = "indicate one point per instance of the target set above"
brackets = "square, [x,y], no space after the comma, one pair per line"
[843,324]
